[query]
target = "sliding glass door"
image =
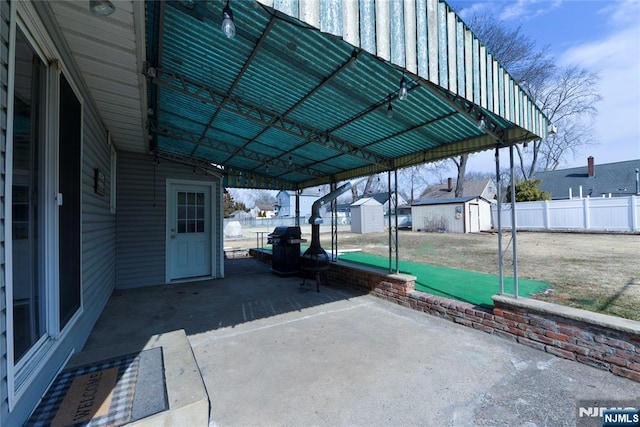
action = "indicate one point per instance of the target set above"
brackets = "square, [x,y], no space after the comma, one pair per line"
[29,296]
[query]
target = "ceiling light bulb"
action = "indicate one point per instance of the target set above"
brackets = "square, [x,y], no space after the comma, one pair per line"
[404,92]
[228,27]
[389,110]
[101,7]
[482,123]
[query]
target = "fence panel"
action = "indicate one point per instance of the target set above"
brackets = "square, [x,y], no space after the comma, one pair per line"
[620,214]
[566,214]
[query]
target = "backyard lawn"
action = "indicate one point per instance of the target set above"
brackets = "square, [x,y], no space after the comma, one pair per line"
[596,272]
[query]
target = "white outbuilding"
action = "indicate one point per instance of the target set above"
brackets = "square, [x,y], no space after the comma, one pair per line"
[367,216]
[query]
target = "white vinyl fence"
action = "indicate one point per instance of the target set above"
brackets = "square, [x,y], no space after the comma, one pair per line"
[620,214]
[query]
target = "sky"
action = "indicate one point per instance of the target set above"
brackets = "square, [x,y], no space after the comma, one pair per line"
[602,36]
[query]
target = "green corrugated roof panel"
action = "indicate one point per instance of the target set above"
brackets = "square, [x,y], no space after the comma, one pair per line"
[282,93]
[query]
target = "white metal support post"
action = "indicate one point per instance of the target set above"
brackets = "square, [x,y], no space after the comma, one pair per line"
[513,223]
[499,221]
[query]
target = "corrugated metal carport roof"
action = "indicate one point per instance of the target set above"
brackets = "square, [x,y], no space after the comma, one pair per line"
[289,104]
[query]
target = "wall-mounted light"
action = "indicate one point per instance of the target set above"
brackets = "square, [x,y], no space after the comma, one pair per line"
[266,169]
[404,91]
[101,7]
[389,109]
[228,27]
[290,160]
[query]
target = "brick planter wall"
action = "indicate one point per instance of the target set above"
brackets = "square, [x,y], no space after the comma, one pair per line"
[605,342]
[601,341]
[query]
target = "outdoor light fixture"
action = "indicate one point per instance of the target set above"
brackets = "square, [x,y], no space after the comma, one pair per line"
[228,27]
[389,109]
[404,92]
[290,160]
[101,7]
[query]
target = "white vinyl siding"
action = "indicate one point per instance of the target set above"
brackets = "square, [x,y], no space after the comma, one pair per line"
[141,193]
[97,232]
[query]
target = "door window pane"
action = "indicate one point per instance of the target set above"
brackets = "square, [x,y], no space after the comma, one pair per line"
[190,212]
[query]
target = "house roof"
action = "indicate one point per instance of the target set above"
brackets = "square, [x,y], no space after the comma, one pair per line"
[469,189]
[366,201]
[617,178]
[291,193]
[382,197]
[441,201]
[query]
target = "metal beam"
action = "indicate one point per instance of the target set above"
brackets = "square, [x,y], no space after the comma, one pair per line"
[413,128]
[203,93]
[315,90]
[466,108]
[235,83]
[175,132]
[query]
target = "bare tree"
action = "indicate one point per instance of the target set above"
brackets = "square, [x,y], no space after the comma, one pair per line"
[412,180]
[568,98]
[374,184]
[461,164]
[264,197]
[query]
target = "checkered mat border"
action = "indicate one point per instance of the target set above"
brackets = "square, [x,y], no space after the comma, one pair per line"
[121,403]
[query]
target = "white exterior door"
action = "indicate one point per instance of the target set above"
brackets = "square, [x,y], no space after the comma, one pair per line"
[189,231]
[474,218]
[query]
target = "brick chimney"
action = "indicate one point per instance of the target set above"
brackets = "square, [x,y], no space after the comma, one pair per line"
[591,167]
[449,184]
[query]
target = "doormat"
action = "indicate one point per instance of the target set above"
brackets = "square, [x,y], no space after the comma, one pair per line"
[108,393]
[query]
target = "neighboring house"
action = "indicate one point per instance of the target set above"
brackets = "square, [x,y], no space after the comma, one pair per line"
[484,188]
[263,211]
[383,199]
[286,204]
[607,180]
[469,214]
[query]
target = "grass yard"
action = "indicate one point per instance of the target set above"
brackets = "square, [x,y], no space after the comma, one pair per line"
[596,272]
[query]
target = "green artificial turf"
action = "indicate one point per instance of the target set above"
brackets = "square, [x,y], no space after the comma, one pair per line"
[461,285]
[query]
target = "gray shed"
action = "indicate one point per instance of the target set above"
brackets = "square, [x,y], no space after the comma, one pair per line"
[367,216]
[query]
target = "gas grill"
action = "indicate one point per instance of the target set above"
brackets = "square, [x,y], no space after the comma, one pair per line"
[285,258]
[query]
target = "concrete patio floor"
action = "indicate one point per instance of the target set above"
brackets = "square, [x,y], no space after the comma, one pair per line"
[274,353]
